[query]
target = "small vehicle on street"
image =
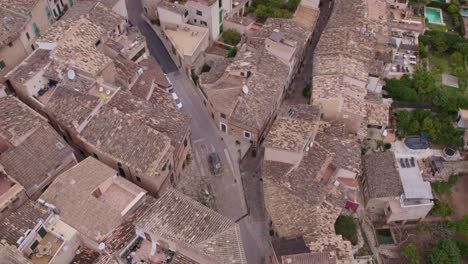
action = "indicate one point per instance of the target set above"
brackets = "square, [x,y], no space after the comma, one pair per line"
[215,163]
[177,100]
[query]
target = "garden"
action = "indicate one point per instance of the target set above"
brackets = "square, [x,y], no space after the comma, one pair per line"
[264,9]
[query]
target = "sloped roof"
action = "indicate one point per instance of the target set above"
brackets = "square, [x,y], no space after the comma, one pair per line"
[178,218]
[31,161]
[17,120]
[383,179]
[9,254]
[13,226]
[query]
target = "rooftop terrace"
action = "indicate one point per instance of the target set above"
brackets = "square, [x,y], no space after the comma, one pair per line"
[186,39]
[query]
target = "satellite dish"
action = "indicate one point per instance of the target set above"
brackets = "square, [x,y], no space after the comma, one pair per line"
[102,246]
[245,89]
[71,74]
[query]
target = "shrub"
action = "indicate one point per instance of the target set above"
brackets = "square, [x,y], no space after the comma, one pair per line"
[441,209]
[411,253]
[206,68]
[231,52]
[231,37]
[194,76]
[460,226]
[446,251]
[156,21]
[307,92]
[401,90]
[463,247]
[346,227]
[423,227]
[441,187]
[453,9]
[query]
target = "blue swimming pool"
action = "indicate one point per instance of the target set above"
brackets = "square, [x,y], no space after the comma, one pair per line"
[434,15]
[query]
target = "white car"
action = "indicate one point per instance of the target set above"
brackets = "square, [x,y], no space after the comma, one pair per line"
[177,100]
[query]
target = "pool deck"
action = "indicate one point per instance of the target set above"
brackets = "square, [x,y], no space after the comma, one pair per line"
[440,13]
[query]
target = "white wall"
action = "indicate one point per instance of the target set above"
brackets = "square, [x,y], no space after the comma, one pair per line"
[169,17]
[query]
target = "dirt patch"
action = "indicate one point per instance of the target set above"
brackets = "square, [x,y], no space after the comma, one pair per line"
[458,197]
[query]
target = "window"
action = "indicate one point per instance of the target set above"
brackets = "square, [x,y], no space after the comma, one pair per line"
[223,115]
[172,180]
[34,245]
[70,2]
[204,102]
[247,134]
[122,172]
[186,14]
[223,127]
[138,179]
[212,116]
[10,44]
[34,48]
[203,23]
[199,13]
[51,21]
[42,232]
[47,11]
[220,16]
[242,74]
[27,36]
[195,21]
[2,65]
[29,15]
[170,166]
[221,29]
[220,3]
[36,29]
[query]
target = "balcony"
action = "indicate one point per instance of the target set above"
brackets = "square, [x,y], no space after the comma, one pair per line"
[46,249]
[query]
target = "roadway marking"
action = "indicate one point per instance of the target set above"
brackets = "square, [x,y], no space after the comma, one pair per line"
[198,140]
[229,161]
[197,158]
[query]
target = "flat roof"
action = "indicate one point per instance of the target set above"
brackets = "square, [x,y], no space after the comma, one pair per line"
[414,186]
[185,39]
[92,198]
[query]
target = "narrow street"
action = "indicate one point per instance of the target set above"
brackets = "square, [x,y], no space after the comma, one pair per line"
[206,138]
[304,77]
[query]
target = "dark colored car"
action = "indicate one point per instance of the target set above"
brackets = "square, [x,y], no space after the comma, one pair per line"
[215,163]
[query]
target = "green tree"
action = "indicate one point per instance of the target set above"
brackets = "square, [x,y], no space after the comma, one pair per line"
[439,44]
[401,90]
[441,209]
[421,114]
[346,227]
[453,9]
[231,37]
[410,252]
[414,127]
[463,247]
[423,81]
[231,52]
[460,225]
[456,58]
[446,251]
[403,118]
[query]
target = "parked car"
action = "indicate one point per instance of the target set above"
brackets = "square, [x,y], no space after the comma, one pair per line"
[177,100]
[215,163]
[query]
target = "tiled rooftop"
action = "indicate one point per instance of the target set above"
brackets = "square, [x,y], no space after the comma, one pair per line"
[144,147]
[178,218]
[9,254]
[71,107]
[290,131]
[97,13]
[30,162]
[13,226]
[17,120]
[382,176]
[78,47]
[10,26]
[306,17]
[91,197]
[22,7]
[174,7]
[159,113]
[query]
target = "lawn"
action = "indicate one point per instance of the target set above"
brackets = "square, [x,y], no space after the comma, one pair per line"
[440,64]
